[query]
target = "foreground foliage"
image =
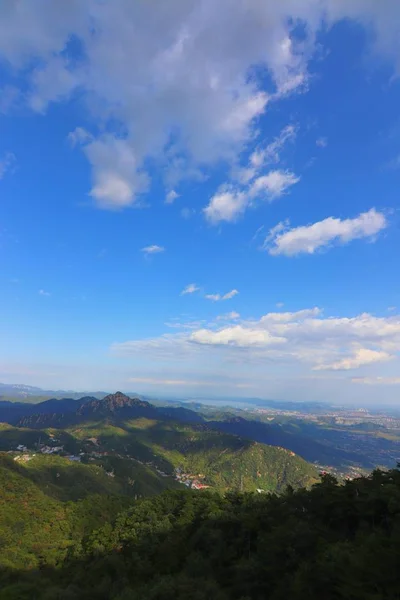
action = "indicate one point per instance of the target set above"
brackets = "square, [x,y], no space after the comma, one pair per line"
[330,542]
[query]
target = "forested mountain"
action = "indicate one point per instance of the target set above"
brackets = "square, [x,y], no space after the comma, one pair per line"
[174,441]
[294,437]
[95,507]
[331,542]
[65,411]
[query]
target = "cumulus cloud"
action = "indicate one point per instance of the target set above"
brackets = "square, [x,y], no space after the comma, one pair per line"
[310,238]
[218,297]
[190,289]
[154,249]
[173,84]
[363,356]
[117,179]
[303,339]
[226,205]
[237,335]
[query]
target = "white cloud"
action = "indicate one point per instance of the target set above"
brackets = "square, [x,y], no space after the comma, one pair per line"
[228,204]
[362,356]
[289,340]
[274,184]
[171,197]
[230,316]
[154,76]
[7,163]
[117,179]
[307,239]
[229,295]
[79,136]
[321,142]
[190,289]
[218,297]
[43,293]
[232,199]
[176,324]
[154,249]
[287,317]
[236,336]
[272,152]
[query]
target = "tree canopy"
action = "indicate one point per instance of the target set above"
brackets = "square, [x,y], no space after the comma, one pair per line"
[330,542]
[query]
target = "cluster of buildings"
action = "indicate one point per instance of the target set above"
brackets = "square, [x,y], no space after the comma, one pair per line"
[24,457]
[43,449]
[191,481]
[51,449]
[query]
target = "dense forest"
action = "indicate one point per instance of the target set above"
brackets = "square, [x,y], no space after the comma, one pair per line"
[330,542]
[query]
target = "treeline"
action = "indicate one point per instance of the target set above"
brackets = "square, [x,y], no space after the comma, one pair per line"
[331,542]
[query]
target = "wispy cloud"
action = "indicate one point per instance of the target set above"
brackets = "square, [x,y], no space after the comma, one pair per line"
[190,289]
[272,152]
[321,142]
[230,316]
[7,163]
[154,249]
[187,213]
[310,238]
[171,197]
[377,380]
[44,293]
[232,199]
[79,136]
[218,297]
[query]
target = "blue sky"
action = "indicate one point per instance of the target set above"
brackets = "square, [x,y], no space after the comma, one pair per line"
[201,204]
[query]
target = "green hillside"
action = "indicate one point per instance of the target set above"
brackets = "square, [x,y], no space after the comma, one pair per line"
[153,455]
[333,542]
[49,501]
[221,461]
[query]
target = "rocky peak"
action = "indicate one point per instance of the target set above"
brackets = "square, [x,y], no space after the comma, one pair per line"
[112,403]
[117,400]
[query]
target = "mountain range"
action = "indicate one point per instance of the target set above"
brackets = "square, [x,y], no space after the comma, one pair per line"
[168,438]
[313,442]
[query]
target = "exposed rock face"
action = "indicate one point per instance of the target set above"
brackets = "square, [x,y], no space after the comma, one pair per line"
[114,403]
